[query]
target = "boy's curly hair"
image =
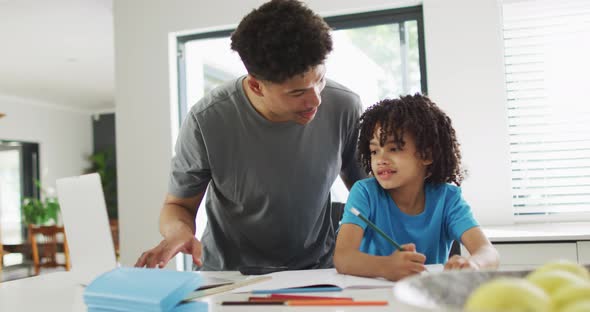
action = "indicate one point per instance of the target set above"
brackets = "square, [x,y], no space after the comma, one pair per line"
[430,126]
[281,39]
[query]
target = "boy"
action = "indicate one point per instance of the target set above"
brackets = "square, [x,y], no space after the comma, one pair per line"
[410,148]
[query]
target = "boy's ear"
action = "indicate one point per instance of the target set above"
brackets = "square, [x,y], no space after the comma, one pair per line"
[254,85]
[428,159]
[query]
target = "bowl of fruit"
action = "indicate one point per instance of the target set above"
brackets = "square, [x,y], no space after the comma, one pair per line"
[557,286]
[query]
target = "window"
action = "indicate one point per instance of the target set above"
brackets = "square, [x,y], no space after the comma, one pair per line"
[376,54]
[19,167]
[10,193]
[386,49]
[547,44]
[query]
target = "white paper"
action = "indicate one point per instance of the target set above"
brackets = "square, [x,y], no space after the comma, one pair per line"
[302,278]
[328,277]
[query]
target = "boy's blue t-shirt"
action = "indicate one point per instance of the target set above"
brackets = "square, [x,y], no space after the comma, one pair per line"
[445,218]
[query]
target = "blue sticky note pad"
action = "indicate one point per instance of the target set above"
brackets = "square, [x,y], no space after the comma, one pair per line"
[139,289]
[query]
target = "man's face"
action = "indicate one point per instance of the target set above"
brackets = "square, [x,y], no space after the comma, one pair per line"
[297,99]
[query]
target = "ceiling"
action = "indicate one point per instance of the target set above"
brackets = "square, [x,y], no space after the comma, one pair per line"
[58,52]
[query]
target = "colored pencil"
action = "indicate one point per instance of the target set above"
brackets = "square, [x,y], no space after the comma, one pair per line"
[326,302]
[335,303]
[298,297]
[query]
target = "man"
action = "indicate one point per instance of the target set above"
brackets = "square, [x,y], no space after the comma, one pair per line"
[268,151]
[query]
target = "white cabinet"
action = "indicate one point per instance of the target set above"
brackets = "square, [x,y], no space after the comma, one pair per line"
[527,256]
[584,252]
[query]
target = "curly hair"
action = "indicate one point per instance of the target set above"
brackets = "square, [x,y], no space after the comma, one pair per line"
[430,126]
[281,39]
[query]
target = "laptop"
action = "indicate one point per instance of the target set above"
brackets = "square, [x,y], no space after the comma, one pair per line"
[87,228]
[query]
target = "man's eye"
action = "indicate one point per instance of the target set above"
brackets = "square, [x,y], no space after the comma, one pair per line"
[373,152]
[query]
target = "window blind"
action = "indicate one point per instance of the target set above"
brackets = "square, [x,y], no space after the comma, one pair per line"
[547,52]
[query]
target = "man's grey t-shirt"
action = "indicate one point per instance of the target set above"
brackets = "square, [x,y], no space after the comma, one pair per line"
[268,201]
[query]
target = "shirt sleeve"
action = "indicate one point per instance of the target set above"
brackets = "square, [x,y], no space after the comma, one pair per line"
[351,169]
[359,199]
[190,171]
[459,216]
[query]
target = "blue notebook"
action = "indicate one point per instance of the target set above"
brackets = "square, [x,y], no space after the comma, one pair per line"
[140,289]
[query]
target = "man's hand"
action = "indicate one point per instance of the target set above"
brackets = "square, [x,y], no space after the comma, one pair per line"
[405,263]
[168,248]
[457,262]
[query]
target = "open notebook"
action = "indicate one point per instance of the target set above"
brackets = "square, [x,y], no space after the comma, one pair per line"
[86,223]
[324,278]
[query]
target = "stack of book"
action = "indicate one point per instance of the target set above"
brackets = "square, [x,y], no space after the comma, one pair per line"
[140,289]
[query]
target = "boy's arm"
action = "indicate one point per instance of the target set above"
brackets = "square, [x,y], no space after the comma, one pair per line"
[348,259]
[483,254]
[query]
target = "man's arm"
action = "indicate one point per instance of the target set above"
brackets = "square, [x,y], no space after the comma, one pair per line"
[352,172]
[177,226]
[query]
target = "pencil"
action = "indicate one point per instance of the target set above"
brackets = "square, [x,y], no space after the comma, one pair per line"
[326,302]
[283,298]
[276,302]
[374,227]
[335,303]
[298,297]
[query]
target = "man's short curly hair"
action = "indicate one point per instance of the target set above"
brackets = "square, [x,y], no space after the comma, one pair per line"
[432,130]
[281,39]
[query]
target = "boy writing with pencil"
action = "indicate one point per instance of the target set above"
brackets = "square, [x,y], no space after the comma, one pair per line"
[410,148]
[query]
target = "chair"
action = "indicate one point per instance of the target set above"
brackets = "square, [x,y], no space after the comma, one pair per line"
[44,244]
[84,214]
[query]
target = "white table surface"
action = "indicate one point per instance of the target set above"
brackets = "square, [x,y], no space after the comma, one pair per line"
[58,292]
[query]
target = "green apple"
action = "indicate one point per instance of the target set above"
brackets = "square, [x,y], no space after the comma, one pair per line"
[578,306]
[552,280]
[508,294]
[570,294]
[565,265]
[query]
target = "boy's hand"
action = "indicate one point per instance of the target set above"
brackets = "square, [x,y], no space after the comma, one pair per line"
[405,263]
[458,262]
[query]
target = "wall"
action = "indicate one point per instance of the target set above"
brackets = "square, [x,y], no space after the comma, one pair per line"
[64,136]
[464,76]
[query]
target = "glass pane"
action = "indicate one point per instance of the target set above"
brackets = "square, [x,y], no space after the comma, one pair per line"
[377,62]
[209,62]
[10,195]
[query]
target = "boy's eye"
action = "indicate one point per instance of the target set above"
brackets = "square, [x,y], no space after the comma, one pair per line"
[373,152]
[394,149]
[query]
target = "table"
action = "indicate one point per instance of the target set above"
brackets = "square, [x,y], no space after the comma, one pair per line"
[58,292]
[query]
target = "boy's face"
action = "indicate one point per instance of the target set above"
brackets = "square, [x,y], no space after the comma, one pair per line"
[296,99]
[394,166]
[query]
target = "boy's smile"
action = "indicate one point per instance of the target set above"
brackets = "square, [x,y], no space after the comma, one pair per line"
[385,173]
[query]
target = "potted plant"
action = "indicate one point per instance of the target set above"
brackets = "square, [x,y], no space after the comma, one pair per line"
[104,163]
[40,212]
